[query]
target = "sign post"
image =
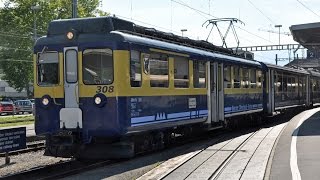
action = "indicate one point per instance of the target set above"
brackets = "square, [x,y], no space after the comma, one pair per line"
[11,140]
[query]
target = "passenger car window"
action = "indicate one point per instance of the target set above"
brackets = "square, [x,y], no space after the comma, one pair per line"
[48,69]
[245,78]
[97,67]
[135,69]
[253,78]
[199,74]
[227,76]
[236,77]
[159,70]
[181,72]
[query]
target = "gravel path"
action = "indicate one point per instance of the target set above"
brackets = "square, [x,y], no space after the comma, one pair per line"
[26,161]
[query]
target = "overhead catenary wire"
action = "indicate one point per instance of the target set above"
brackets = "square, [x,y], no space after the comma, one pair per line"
[199,11]
[262,12]
[308,8]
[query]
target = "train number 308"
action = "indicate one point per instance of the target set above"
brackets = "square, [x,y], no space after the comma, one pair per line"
[105,89]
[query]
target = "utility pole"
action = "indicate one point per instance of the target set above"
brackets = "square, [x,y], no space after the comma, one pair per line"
[34,9]
[74,8]
[278,26]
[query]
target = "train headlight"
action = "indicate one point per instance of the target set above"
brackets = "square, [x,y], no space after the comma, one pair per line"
[45,101]
[97,100]
[70,35]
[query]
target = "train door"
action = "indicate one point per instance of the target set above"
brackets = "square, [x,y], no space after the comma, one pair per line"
[71,115]
[216,92]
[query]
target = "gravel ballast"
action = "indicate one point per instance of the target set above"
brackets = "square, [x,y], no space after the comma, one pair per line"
[26,161]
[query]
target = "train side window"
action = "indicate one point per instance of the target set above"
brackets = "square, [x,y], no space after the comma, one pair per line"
[159,70]
[135,69]
[97,66]
[245,77]
[227,76]
[253,78]
[259,75]
[279,82]
[199,74]
[181,72]
[236,77]
[48,68]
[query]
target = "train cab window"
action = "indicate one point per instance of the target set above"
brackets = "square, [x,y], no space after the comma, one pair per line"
[181,72]
[97,66]
[259,81]
[199,74]
[48,68]
[158,70]
[135,69]
[227,77]
[253,78]
[236,77]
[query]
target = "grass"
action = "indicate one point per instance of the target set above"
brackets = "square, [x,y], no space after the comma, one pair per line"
[16,120]
[16,124]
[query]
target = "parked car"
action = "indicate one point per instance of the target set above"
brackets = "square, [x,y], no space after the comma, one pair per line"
[22,106]
[6,107]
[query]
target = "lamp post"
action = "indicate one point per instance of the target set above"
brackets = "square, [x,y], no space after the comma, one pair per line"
[34,9]
[183,30]
[278,26]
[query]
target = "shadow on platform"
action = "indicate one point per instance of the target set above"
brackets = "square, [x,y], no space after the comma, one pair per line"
[310,127]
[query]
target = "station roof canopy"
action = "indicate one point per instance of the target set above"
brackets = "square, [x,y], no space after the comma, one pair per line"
[308,35]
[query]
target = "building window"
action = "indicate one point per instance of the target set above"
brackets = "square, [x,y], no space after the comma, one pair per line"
[159,70]
[181,72]
[135,69]
[199,74]
[2,89]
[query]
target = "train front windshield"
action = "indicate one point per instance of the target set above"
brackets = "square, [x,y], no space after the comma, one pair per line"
[47,67]
[97,66]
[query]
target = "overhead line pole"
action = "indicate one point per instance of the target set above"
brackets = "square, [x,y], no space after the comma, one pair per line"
[74,8]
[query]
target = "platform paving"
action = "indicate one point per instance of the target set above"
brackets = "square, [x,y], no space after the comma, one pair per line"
[305,151]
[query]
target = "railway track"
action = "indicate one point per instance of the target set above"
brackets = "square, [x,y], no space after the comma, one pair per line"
[59,170]
[31,147]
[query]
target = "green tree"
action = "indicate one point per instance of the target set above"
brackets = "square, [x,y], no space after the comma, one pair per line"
[16,33]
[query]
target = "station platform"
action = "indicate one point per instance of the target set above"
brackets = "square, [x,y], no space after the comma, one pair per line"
[297,154]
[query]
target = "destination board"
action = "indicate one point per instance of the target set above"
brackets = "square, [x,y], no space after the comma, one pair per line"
[12,139]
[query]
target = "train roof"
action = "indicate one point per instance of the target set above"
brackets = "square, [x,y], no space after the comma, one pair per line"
[140,40]
[314,73]
[284,68]
[104,25]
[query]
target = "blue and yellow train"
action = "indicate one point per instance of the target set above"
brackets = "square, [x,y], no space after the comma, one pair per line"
[105,87]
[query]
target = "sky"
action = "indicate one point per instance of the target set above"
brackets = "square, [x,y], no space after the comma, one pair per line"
[258,16]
